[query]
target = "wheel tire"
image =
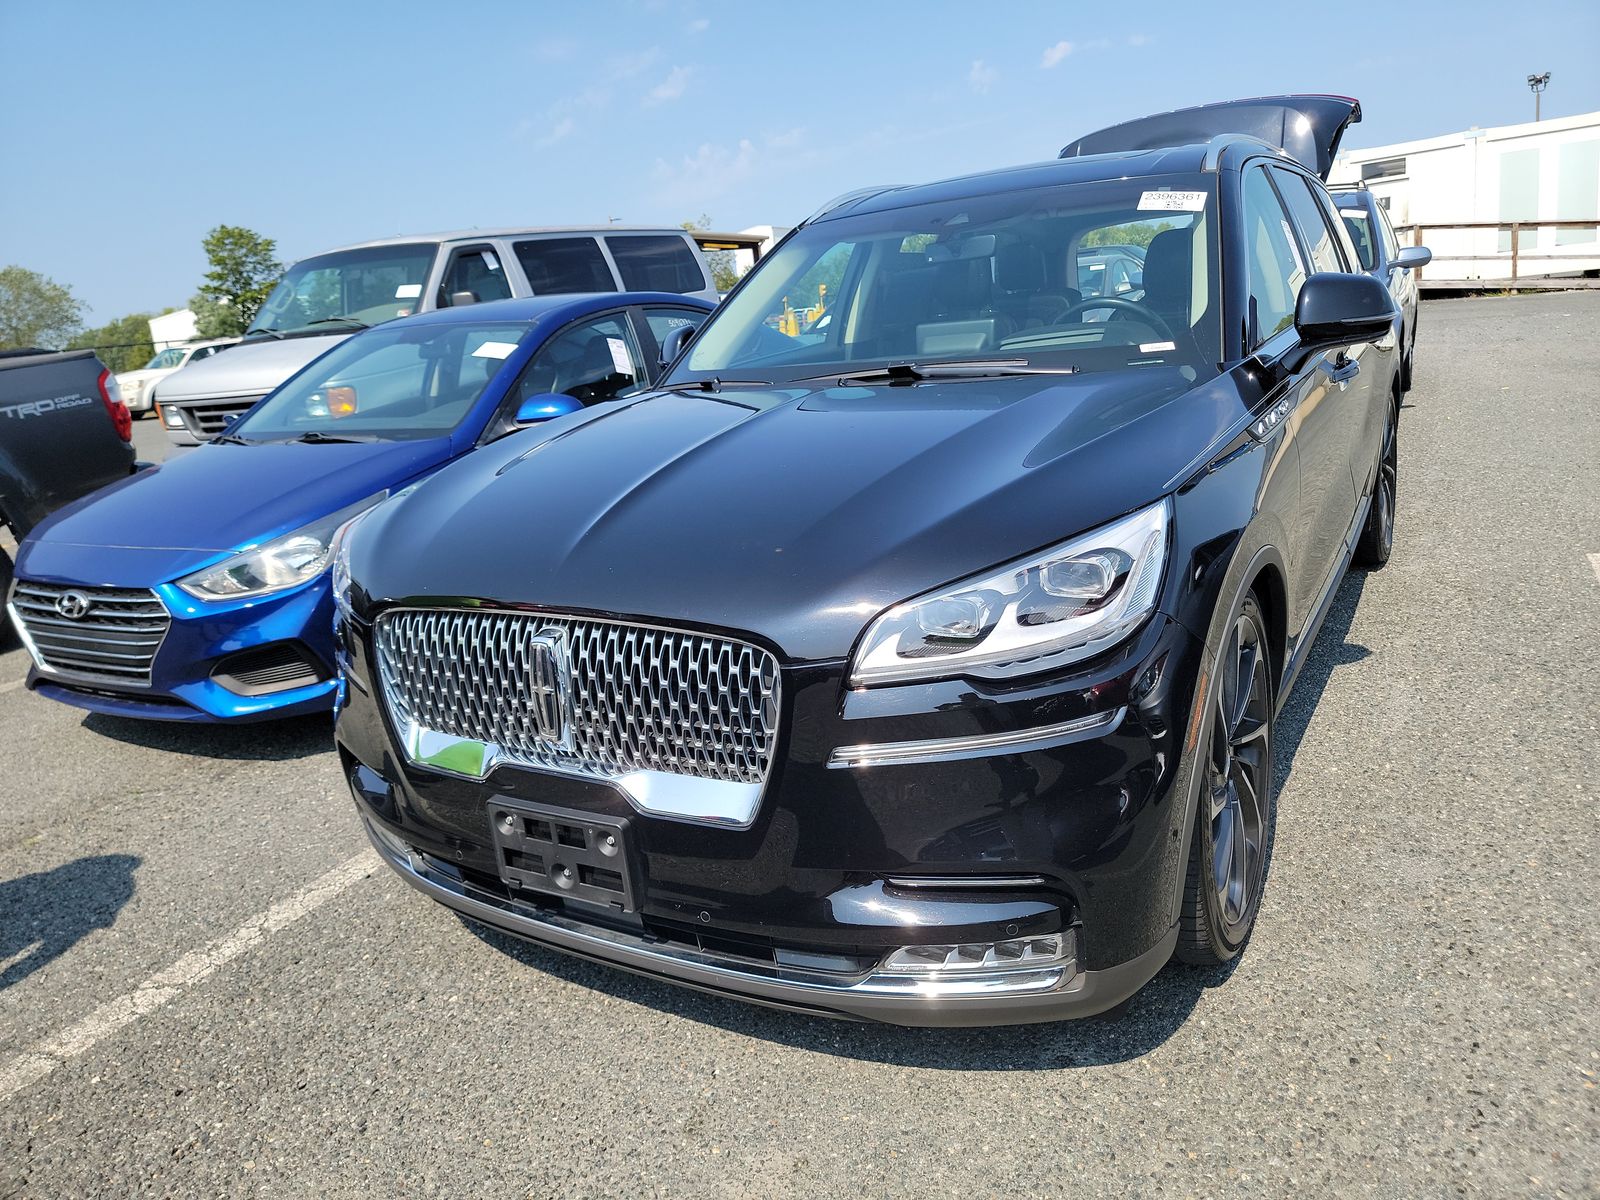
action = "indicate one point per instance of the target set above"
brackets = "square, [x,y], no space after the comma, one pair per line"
[7,634]
[1237,808]
[1377,536]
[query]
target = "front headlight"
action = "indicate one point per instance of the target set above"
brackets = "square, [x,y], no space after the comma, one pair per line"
[274,566]
[1039,613]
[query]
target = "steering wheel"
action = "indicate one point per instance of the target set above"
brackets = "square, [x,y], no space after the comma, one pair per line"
[1138,310]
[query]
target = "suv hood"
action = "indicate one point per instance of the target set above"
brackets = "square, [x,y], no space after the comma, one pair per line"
[251,368]
[175,518]
[1307,127]
[792,515]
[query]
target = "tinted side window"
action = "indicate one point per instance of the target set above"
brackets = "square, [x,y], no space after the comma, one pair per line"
[591,361]
[477,271]
[663,321]
[1386,233]
[1309,218]
[1276,271]
[560,265]
[656,263]
[1359,227]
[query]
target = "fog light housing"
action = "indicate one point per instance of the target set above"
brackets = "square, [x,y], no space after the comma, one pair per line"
[1038,952]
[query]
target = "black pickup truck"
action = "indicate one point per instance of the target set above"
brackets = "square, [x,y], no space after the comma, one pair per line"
[64,432]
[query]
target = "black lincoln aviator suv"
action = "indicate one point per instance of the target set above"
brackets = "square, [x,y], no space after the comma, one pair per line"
[912,650]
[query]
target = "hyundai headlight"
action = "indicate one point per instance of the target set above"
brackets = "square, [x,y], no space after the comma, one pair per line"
[274,566]
[1039,613]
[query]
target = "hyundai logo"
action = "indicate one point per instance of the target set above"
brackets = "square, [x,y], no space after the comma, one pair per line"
[74,606]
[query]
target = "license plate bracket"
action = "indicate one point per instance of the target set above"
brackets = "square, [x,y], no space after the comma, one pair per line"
[564,852]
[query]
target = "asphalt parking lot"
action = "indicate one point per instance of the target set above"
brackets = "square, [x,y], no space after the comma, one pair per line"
[209,987]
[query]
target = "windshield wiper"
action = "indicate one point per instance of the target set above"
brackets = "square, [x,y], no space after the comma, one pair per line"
[350,321]
[908,373]
[231,439]
[316,437]
[267,330]
[716,385]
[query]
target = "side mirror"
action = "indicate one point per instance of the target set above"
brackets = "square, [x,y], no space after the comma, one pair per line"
[672,345]
[546,406]
[457,299]
[1338,310]
[1412,257]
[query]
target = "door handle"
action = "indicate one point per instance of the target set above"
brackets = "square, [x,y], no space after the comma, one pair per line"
[1343,369]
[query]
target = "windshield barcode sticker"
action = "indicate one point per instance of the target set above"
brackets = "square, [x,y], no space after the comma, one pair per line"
[1155,347]
[1169,201]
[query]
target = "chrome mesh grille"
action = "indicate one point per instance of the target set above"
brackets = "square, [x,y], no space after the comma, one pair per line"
[641,698]
[114,641]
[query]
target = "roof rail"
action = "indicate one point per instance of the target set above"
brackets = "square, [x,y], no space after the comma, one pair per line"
[849,198]
[1359,185]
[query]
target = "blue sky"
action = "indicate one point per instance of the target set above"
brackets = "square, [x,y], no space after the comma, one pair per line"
[130,129]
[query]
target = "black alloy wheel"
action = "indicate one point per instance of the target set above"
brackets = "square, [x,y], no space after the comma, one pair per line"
[1236,811]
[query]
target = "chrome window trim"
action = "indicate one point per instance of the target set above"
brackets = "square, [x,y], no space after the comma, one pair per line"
[1013,741]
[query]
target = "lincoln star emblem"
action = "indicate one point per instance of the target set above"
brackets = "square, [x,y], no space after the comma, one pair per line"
[73,605]
[549,685]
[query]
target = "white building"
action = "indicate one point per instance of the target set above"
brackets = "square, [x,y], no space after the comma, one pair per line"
[173,329]
[1540,171]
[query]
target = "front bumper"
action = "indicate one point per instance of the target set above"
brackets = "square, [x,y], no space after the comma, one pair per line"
[855,854]
[1053,994]
[188,676]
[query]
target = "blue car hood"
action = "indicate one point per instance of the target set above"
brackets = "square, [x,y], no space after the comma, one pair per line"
[176,518]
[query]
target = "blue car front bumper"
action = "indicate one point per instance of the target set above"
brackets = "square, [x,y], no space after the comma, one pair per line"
[246,660]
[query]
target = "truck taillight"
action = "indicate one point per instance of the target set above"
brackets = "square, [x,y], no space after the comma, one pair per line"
[111,397]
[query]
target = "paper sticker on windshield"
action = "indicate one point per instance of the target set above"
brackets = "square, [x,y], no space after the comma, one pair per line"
[1156,347]
[408,291]
[619,356]
[1170,201]
[494,350]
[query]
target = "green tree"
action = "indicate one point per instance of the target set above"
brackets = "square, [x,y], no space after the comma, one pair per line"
[35,311]
[724,271]
[123,344]
[243,270]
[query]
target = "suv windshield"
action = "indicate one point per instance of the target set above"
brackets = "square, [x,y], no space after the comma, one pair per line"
[376,284]
[401,382]
[994,281]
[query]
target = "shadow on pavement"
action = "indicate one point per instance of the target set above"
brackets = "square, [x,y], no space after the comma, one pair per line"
[1154,1015]
[1332,649]
[265,741]
[44,915]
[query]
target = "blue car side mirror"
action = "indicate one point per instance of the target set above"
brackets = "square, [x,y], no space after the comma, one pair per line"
[546,406]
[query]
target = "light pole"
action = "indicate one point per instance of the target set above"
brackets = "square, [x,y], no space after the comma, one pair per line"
[1537,83]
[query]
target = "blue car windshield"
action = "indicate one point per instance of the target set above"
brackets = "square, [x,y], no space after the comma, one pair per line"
[991,279]
[397,382]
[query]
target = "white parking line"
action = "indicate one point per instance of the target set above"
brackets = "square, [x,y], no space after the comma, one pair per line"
[168,983]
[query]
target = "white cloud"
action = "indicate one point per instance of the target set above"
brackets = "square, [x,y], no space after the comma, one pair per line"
[1138,39]
[699,25]
[786,140]
[560,130]
[982,76]
[698,179]
[1054,55]
[626,66]
[671,88]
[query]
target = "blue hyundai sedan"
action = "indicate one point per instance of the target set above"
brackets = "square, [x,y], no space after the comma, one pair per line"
[198,590]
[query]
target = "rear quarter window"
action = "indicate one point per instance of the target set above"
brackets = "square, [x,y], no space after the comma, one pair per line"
[656,263]
[556,266]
